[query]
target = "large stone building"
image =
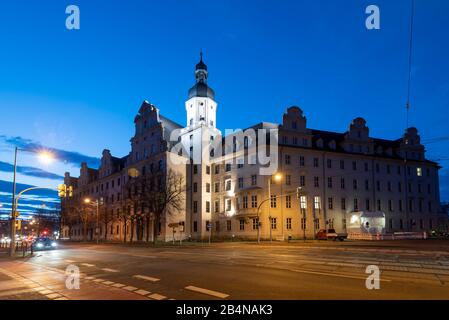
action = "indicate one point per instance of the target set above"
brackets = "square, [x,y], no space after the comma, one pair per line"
[228,190]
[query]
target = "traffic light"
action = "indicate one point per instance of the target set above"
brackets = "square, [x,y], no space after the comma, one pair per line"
[18,224]
[62,190]
[70,191]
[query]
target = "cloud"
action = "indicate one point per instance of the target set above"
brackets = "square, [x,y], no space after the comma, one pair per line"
[30,203]
[30,171]
[72,157]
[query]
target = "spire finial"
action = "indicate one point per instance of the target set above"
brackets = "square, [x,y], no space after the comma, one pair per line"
[201,55]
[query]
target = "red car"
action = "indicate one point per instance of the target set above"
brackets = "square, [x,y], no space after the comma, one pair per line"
[329,234]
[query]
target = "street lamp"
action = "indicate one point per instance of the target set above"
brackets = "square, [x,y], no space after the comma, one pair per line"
[276,177]
[44,156]
[97,205]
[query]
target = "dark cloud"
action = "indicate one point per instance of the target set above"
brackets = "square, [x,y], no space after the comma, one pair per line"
[30,171]
[72,157]
[28,205]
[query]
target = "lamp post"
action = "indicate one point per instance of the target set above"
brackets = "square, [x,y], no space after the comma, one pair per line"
[45,157]
[97,205]
[277,177]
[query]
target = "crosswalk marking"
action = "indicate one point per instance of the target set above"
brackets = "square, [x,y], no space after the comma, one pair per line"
[109,270]
[87,265]
[138,276]
[53,295]
[130,288]
[208,292]
[142,292]
[119,285]
[157,296]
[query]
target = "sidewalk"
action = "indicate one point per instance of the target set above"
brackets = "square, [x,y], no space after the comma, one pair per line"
[22,280]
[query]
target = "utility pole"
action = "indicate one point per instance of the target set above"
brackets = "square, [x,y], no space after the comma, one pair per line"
[269,206]
[12,248]
[98,228]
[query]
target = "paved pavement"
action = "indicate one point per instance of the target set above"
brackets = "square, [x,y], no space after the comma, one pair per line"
[324,270]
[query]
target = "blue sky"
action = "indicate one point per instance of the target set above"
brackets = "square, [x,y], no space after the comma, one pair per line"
[78,91]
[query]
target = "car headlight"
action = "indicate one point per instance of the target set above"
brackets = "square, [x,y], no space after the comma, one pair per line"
[39,245]
[54,244]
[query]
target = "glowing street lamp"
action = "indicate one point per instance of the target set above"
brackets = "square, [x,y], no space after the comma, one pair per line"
[46,157]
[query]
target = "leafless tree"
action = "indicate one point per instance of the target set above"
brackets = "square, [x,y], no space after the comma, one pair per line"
[163,196]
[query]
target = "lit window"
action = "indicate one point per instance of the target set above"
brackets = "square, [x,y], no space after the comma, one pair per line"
[317,202]
[303,201]
[419,172]
[228,204]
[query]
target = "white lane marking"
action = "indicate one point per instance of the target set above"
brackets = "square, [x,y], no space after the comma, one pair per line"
[69,261]
[87,265]
[53,296]
[119,285]
[157,296]
[208,292]
[334,275]
[110,270]
[90,278]
[62,298]
[108,283]
[99,280]
[130,288]
[142,292]
[138,276]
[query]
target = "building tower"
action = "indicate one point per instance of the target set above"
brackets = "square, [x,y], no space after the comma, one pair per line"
[196,138]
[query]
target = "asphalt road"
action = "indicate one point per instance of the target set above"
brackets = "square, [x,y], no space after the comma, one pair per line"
[326,270]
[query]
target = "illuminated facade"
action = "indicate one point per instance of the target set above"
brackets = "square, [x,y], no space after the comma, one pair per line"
[226,196]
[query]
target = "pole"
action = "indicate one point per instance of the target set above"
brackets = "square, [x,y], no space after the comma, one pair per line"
[97,228]
[210,232]
[13,209]
[269,206]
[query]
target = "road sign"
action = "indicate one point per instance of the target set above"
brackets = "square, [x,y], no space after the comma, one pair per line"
[173,225]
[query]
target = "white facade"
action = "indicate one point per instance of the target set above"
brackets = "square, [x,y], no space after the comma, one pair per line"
[338,173]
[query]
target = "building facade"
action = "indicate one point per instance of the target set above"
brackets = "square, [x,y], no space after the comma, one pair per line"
[322,177]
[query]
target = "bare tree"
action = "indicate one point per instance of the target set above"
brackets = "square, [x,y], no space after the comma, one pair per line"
[164,195]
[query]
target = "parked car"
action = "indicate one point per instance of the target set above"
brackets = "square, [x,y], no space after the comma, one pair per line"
[44,244]
[330,234]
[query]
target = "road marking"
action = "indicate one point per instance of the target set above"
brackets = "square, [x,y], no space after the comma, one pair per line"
[69,261]
[89,278]
[130,288]
[108,283]
[138,276]
[53,295]
[62,298]
[87,265]
[142,292]
[208,292]
[334,275]
[99,280]
[110,270]
[45,292]
[119,285]
[157,296]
